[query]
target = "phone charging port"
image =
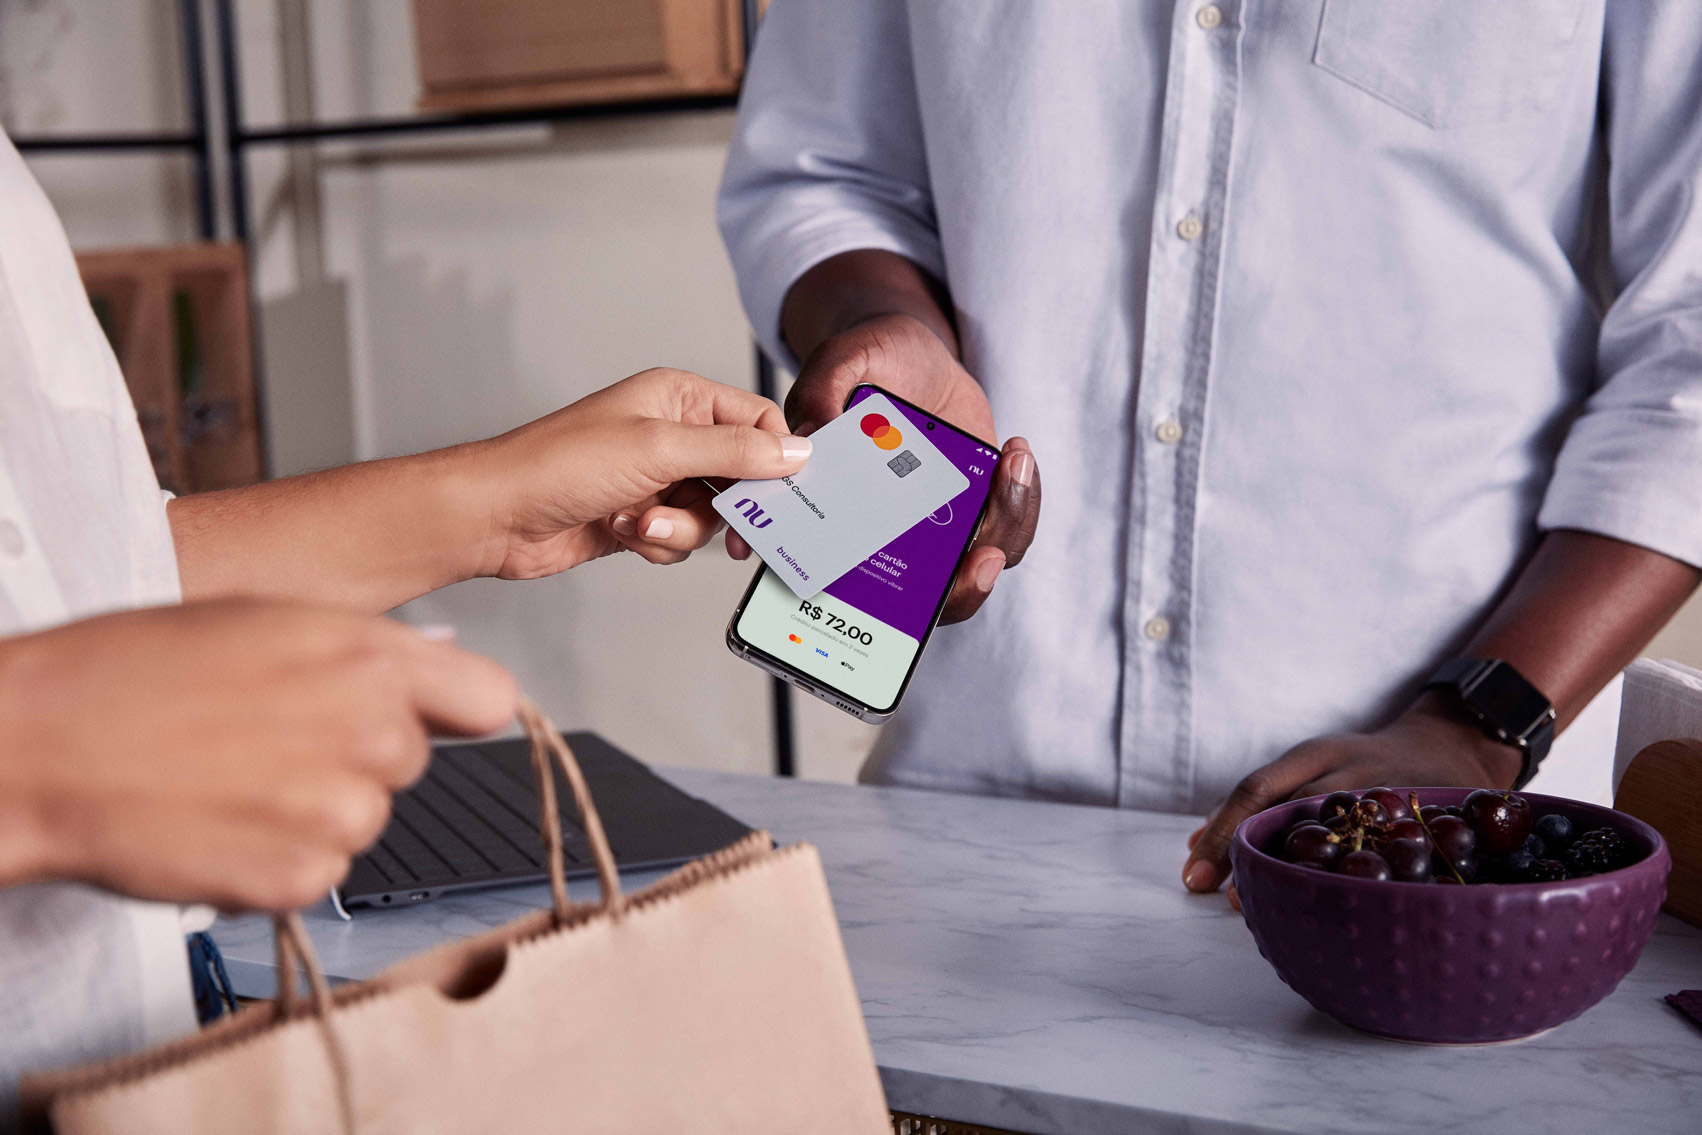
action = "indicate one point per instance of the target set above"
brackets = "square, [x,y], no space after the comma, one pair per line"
[806,687]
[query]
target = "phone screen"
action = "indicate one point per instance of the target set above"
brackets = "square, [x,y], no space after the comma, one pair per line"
[861,635]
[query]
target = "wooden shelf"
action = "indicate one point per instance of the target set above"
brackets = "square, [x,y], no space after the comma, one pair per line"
[480,55]
[178,318]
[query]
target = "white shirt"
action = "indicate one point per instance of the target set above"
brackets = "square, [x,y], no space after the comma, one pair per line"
[1316,315]
[83,974]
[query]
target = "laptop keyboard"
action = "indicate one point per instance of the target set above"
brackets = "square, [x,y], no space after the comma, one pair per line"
[468,817]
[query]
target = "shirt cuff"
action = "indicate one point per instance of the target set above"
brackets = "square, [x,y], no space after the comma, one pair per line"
[1633,475]
[782,257]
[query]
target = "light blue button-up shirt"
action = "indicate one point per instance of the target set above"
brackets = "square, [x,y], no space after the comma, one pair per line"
[1316,314]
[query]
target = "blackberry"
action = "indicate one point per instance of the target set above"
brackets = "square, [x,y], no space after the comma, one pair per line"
[1546,871]
[1598,851]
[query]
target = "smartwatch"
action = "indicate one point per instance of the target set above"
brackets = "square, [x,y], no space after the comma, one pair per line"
[1509,709]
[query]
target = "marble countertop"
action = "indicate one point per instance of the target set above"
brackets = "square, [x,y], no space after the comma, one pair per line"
[1037,967]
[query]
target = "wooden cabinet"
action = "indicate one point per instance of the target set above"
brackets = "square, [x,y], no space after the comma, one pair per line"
[178,319]
[493,54]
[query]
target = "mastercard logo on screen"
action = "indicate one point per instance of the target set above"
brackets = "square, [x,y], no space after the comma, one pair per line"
[882,431]
[794,638]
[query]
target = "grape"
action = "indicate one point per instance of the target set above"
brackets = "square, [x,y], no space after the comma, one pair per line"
[1408,859]
[1337,804]
[1454,839]
[1431,811]
[1392,803]
[1337,822]
[1365,865]
[1554,830]
[1313,845]
[1454,810]
[1408,828]
[1502,820]
[1369,814]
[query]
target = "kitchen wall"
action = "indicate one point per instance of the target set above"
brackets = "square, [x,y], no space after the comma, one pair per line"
[420,292]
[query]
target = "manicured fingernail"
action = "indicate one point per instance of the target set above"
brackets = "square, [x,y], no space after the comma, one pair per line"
[1200,876]
[660,529]
[988,574]
[795,448]
[625,523]
[1022,467]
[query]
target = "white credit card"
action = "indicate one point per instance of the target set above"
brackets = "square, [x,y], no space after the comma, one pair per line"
[871,477]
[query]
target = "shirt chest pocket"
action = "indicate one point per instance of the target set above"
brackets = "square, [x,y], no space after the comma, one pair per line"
[1452,63]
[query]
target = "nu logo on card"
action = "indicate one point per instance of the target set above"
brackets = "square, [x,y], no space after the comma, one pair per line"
[753,513]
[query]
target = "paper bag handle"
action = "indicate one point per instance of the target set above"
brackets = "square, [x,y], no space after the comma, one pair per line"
[546,741]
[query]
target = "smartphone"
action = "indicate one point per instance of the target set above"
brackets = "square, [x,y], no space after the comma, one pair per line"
[856,643]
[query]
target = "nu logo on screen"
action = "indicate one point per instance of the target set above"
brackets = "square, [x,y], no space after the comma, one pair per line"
[882,431]
[753,514]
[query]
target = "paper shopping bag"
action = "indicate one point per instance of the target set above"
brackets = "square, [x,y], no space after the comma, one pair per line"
[716,1000]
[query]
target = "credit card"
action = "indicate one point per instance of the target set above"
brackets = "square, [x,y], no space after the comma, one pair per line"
[871,477]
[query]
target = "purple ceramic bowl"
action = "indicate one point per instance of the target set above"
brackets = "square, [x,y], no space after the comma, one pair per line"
[1446,964]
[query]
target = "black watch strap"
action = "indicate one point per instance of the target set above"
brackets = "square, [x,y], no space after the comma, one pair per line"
[1509,708]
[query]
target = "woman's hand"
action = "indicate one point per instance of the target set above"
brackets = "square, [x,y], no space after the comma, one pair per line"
[620,468]
[1427,745]
[237,752]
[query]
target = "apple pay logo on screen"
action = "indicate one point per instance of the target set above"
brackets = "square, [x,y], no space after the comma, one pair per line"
[871,476]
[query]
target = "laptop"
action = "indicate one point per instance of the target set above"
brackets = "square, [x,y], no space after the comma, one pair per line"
[472,822]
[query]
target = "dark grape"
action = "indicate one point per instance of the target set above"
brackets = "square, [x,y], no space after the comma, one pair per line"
[1453,837]
[1408,859]
[1502,820]
[1547,871]
[1337,804]
[1369,814]
[1365,865]
[1445,877]
[1408,828]
[1454,810]
[1337,823]
[1431,811]
[1391,801]
[1554,830]
[1312,844]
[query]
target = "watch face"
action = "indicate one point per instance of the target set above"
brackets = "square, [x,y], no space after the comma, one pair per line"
[1509,701]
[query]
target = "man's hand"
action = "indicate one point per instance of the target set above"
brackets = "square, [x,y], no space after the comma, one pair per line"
[902,354]
[621,467]
[1426,745]
[237,752]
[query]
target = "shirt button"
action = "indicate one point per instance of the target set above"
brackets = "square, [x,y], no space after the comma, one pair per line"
[1190,227]
[1169,431]
[11,539]
[1209,17]
[1157,628]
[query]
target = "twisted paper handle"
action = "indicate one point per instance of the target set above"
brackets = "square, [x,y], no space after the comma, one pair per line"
[295,949]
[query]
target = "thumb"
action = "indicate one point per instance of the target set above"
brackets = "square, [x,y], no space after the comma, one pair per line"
[733,451]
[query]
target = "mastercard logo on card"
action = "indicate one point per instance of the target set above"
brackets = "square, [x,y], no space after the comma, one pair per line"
[882,431]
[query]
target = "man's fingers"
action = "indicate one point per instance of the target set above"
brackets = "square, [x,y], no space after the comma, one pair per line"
[974,583]
[678,452]
[1208,863]
[1013,510]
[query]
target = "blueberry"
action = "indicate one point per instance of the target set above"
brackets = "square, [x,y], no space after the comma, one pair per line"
[1556,832]
[1516,868]
[1535,845]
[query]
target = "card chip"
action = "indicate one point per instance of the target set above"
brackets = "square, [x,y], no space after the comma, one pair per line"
[904,464]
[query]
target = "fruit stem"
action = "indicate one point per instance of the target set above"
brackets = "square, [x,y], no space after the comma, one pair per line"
[1412,800]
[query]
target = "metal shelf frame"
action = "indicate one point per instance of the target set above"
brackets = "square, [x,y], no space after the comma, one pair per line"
[225,151]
